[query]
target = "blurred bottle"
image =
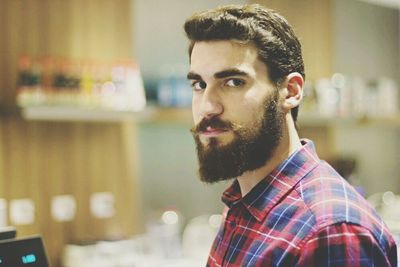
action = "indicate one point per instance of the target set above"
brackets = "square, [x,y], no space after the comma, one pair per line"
[135,98]
[47,64]
[173,89]
[342,85]
[327,98]
[309,102]
[29,85]
[388,97]
[88,95]
[182,87]
[165,87]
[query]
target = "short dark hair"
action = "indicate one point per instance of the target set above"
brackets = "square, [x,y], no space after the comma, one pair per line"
[278,47]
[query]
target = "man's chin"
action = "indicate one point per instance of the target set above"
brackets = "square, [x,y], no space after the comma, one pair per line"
[215,143]
[216,167]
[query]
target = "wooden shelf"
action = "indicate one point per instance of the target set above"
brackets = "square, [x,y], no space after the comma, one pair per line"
[314,119]
[67,113]
[184,115]
[154,114]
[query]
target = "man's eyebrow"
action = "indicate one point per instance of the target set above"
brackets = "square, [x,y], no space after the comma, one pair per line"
[229,73]
[219,75]
[193,76]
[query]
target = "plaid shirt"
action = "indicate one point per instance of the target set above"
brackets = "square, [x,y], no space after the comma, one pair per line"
[302,214]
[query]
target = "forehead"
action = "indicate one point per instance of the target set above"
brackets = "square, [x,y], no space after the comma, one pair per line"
[209,57]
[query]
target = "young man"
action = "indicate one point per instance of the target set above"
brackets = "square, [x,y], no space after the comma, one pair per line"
[285,207]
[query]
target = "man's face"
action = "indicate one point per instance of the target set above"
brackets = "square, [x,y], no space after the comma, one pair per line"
[238,122]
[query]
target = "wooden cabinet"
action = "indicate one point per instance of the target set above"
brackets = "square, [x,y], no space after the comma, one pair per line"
[40,160]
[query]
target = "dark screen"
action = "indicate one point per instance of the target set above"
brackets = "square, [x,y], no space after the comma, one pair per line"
[7,233]
[26,252]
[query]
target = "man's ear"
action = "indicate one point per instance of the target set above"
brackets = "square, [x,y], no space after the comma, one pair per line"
[292,90]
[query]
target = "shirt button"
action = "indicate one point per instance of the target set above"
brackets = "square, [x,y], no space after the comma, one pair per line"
[233,224]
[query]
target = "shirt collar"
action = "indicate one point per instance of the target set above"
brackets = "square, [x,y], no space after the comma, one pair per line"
[263,197]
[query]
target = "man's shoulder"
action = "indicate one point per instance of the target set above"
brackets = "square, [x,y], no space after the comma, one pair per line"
[332,200]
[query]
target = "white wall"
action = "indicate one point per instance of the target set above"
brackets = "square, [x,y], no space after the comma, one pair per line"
[159,37]
[367,45]
[366,39]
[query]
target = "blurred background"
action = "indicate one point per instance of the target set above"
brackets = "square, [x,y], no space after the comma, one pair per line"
[96,154]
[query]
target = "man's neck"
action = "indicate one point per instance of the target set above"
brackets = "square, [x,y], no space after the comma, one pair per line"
[290,142]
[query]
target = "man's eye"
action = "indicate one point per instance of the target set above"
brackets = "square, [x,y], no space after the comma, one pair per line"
[234,83]
[199,85]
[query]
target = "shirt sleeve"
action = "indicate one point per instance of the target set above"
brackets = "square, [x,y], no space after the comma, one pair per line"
[347,245]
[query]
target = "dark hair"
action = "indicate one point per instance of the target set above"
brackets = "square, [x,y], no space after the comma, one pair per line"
[277,44]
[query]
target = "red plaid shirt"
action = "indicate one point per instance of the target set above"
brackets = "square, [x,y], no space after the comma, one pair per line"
[302,214]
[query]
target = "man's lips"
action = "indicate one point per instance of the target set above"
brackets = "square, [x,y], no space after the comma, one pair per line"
[210,131]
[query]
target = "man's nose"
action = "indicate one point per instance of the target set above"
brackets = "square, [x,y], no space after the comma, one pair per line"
[211,105]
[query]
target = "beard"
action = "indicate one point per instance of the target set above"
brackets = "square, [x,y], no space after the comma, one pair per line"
[250,148]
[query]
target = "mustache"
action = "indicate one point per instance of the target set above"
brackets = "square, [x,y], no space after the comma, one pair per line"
[213,123]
